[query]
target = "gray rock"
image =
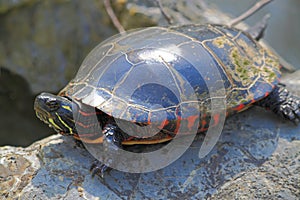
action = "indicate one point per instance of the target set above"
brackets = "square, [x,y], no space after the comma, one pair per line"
[292,81]
[46,41]
[8,5]
[277,178]
[257,156]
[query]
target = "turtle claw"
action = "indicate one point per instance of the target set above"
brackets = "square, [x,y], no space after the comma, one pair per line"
[291,110]
[111,144]
[289,105]
[98,168]
[283,103]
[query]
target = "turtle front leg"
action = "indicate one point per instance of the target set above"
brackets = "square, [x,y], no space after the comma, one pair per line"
[283,103]
[111,142]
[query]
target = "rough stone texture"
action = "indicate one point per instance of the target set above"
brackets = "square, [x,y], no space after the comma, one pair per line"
[39,45]
[16,102]
[277,178]
[7,5]
[48,40]
[256,157]
[292,81]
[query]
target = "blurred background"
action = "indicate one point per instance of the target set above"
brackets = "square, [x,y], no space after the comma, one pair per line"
[43,43]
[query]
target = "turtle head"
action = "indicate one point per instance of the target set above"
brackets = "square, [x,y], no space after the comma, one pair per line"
[57,112]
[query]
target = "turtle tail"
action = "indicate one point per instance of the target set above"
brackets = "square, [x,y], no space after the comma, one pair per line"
[283,103]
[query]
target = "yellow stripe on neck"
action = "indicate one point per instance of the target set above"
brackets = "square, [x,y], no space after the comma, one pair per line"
[53,123]
[64,123]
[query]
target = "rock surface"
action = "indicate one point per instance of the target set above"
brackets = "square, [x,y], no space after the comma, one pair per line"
[257,156]
[48,40]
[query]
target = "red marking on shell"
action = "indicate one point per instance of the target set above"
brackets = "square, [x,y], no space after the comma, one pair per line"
[163,124]
[149,118]
[267,94]
[167,122]
[216,119]
[191,121]
[177,124]
[239,107]
[203,124]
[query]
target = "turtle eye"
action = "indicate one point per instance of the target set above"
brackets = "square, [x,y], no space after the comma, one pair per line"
[52,105]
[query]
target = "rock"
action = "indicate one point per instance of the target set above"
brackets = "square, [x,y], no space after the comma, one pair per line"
[7,5]
[14,97]
[292,81]
[257,156]
[50,41]
[45,41]
[277,178]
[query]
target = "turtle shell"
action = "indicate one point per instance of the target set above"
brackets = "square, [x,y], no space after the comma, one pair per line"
[158,73]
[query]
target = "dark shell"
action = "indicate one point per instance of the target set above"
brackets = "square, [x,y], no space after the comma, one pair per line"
[160,73]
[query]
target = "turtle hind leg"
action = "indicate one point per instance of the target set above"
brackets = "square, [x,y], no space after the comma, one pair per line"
[111,143]
[283,103]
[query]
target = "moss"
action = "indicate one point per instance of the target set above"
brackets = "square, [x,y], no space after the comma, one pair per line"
[272,76]
[245,69]
[246,62]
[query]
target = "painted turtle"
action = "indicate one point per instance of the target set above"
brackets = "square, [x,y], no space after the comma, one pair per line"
[139,77]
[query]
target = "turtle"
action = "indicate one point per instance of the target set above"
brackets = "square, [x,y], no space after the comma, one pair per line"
[164,77]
